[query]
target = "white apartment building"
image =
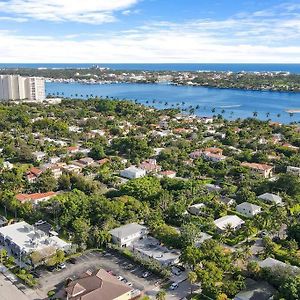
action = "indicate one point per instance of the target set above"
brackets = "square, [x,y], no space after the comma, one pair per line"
[15,87]
[127,234]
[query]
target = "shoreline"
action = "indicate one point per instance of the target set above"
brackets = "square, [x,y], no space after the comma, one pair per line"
[86,82]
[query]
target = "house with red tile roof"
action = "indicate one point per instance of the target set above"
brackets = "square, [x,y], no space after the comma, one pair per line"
[35,198]
[33,174]
[263,169]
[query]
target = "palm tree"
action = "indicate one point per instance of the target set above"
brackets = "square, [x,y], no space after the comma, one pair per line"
[161,295]
[267,114]
[255,114]
[213,110]
[228,229]
[192,278]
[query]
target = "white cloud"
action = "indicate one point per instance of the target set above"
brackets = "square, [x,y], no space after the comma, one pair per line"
[240,38]
[87,11]
[13,19]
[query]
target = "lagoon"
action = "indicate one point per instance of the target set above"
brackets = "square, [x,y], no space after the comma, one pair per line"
[232,104]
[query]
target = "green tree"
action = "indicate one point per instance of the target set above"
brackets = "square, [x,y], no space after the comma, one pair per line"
[161,295]
[290,289]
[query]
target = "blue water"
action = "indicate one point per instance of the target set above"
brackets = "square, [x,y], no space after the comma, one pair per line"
[236,103]
[292,68]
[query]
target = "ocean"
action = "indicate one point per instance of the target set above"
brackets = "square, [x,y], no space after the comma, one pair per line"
[292,68]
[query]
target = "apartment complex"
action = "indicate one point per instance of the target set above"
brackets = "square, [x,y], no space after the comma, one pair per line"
[15,87]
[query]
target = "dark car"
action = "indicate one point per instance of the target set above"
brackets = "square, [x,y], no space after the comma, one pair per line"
[51,268]
[72,260]
[181,268]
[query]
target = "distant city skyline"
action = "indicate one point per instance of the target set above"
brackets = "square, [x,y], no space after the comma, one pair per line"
[150,31]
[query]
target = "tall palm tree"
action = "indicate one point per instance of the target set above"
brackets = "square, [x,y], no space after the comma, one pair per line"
[255,114]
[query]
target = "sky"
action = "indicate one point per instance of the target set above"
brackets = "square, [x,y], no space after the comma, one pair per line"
[149,31]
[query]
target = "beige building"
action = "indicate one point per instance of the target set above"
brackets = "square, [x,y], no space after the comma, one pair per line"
[97,285]
[15,87]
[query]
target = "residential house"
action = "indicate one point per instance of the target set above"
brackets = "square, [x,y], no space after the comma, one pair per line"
[33,174]
[230,220]
[195,154]
[35,198]
[72,169]
[293,170]
[214,150]
[150,166]
[7,165]
[97,285]
[54,160]
[248,209]
[271,198]
[203,236]
[73,149]
[39,155]
[127,234]
[83,162]
[213,157]
[261,169]
[54,168]
[274,264]
[196,209]
[227,201]
[103,161]
[256,290]
[133,172]
[212,187]
[168,173]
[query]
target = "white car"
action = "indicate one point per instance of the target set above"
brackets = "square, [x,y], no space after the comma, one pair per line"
[120,277]
[146,274]
[176,272]
[174,286]
[129,283]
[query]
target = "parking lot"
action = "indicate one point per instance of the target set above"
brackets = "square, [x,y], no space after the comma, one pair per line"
[109,261]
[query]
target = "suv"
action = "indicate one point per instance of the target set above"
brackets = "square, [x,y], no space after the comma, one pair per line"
[61,266]
[174,286]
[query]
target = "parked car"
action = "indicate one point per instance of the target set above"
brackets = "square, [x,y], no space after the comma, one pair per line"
[61,266]
[128,267]
[51,268]
[181,268]
[120,277]
[146,274]
[176,271]
[174,286]
[72,260]
[129,283]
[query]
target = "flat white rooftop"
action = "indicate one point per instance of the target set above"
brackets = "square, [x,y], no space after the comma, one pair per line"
[29,239]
